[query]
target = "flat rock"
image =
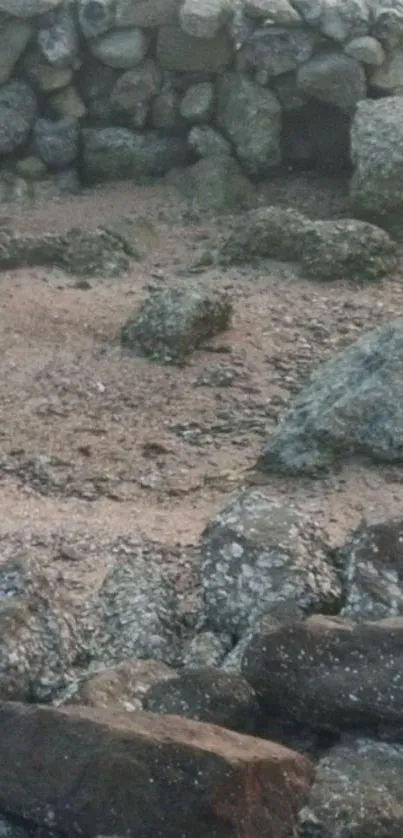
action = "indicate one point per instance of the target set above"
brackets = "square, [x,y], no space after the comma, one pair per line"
[267,232]
[348,249]
[352,406]
[120,687]
[101,773]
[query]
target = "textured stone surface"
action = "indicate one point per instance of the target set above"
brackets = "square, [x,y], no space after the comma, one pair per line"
[348,249]
[28,8]
[118,153]
[275,50]
[123,49]
[352,405]
[18,110]
[334,78]
[176,50]
[269,232]
[14,37]
[204,18]
[120,687]
[57,141]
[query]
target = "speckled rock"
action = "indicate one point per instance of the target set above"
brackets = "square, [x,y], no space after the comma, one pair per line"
[170,325]
[207,695]
[258,555]
[372,562]
[269,232]
[134,614]
[349,19]
[204,18]
[14,37]
[352,405]
[206,649]
[198,103]
[176,50]
[348,249]
[207,142]
[357,792]
[59,41]
[333,78]
[274,50]
[28,8]
[118,153]
[214,185]
[330,673]
[18,110]
[57,141]
[120,687]
[121,49]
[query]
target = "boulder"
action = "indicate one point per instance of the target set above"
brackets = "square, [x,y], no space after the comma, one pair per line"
[279,12]
[357,792]
[250,117]
[207,695]
[148,14]
[18,110]
[333,78]
[206,142]
[204,18]
[377,156]
[136,87]
[121,49]
[59,42]
[267,232]
[14,38]
[198,102]
[118,153]
[349,19]
[388,77]
[275,50]
[171,324]
[43,76]
[330,673]
[57,142]
[261,557]
[28,8]
[352,406]
[120,687]
[96,16]
[103,773]
[367,50]
[176,50]
[348,249]
[214,184]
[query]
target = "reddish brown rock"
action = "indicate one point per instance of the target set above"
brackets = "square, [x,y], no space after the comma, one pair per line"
[89,772]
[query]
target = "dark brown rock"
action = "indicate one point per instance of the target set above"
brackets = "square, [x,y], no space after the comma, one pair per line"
[94,772]
[121,687]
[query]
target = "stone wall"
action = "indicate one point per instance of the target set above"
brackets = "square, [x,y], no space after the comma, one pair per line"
[94,90]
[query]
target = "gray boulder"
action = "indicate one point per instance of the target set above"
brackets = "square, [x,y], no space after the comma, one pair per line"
[121,49]
[136,87]
[347,249]
[214,184]
[250,117]
[330,673]
[263,233]
[207,142]
[207,695]
[118,153]
[352,406]
[349,19]
[275,50]
[170,325]
[261,557]
[148,14]
[357,792]
[97,17]
[178,51]
[18,110]
[14,37]
[377,156]
[334,78]
[59,42]
[198,102]
[204,18]
[372,562]
[28,8]
[57,142]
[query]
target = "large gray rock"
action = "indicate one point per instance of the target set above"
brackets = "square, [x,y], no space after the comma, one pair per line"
[148,14]
[134,614]
[206,142]
[42,75]
[334,78]
[250,117]
[198,102]
[371,559]
[57,142]
[367,50]
[18,109]
[330,673]
[267,232]
[170,325]
[28,8]
[14,37]
[349,19]
[204,18]
[136,87]
[97,82]
[59,41]
[353,405]
[357,792]
[178,51]
[122,49]
[310,10]
[275,50]
[347,249]
[261,557]
[215,184]
[388,77]
[96,16]
[207,695]
[118,153]
[377,155]
[279,12]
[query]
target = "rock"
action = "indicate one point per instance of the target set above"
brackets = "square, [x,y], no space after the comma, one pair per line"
[318,136]
[96,83]
[334,78]
[329,420]
[275,50]
[340,21]
[96,16]
[31,167]
[310,10]
[372,562]
[170,325]
[14,38]
[250,117]
[43,76]
[280,12]
[165,114]
[367,50]
[207,142]
[219,781]
[207,695]
[148,14]
[121,687]
[67,103]
[18,109]
[122,49]
[204,18]
[16,190]
[136,86]
[59,42]
[348,249]
[214,185]
[198,103]
[59,185]
[330,673]
[388,77]
[57,142]
[357,792]
[259,557]
[377,155]
[267,232]
[178,51]
[134,614]
[84,253]
[38,639]
[118,153]
[206,649]
[387,23]
[28,8]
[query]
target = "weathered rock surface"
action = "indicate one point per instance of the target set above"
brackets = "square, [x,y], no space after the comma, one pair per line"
[348,249]
[204,19]
[170,325]
[352,406]
[330,673]
[215,184]
[176,50]
[18,110]
[57,141]
[268,232]
[260,557]
[118,153]
[14,37]
[334,78]
[120,687]
[207,695]
[28,8]
[357,792]
[218,782]
[274,50]
[123,49]
[148,14]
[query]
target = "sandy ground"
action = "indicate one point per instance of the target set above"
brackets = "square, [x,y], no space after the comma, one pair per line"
[100,451]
